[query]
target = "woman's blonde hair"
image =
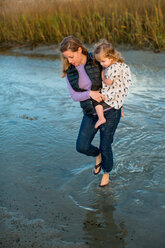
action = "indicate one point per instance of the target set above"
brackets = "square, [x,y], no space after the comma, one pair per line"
[105,49]
[73,44]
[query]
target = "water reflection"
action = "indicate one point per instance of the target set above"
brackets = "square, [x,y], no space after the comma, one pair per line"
[100,227]
[39,123]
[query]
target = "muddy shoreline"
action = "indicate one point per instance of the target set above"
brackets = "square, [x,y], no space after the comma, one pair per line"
[53,49]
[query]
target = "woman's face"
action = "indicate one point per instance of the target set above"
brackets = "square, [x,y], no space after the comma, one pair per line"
[74,58]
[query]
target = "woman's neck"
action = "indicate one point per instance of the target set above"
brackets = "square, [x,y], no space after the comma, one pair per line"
[83,60]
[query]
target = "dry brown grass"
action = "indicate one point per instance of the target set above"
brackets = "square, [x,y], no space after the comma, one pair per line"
[140,23]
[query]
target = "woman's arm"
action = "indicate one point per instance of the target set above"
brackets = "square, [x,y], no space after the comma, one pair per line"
[82,96]
[77,96]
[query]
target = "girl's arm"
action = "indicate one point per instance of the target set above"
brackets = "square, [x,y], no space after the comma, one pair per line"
[122,80]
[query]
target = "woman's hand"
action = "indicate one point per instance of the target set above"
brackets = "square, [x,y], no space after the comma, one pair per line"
[96,95]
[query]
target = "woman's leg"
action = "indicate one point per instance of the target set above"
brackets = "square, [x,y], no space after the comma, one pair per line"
[86,134]
[107,131]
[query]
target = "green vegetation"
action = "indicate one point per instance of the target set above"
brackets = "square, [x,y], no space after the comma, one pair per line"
[140,23]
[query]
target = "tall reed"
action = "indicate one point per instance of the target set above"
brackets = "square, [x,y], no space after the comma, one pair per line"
[139,23]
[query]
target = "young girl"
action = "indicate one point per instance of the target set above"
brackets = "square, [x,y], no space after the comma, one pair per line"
[116,79]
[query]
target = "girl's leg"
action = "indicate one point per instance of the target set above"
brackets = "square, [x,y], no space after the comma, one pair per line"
[122,113]
[100,114]
[86,134]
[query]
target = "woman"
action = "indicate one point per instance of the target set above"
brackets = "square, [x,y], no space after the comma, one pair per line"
[83,76]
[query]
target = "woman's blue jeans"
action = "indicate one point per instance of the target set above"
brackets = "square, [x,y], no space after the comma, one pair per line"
[107,130]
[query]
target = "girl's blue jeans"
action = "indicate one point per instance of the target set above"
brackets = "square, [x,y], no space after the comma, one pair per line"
[107,130]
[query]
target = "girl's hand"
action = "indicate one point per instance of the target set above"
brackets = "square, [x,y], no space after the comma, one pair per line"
[96,95]
[105,80]
[108,81]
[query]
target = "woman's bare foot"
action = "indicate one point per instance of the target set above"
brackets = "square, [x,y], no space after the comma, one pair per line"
[105,180]
[98,161]
[99,122]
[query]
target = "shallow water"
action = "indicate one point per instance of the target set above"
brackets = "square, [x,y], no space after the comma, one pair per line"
[48,194]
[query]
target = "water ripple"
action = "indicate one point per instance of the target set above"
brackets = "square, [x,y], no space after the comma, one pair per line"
[80,206]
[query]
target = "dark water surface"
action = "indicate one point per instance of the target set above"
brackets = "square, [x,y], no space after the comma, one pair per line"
[48,194]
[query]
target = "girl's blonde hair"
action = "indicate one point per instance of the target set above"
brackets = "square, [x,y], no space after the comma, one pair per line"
[73,44]
[105,49]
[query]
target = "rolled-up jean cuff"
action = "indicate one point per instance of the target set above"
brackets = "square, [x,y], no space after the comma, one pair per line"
[105,172]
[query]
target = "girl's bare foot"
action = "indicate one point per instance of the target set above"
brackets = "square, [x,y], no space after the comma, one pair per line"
[105,180]
[99,122]
[98,161]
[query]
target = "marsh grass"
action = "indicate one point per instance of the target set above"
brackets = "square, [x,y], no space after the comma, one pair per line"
[140,23]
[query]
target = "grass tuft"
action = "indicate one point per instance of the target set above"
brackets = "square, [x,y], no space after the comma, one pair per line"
[139,23]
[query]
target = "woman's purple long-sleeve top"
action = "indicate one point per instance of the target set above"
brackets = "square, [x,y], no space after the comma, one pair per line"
[84,82]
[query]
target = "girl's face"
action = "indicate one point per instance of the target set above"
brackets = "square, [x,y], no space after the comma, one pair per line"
[105,62]
[74,58]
